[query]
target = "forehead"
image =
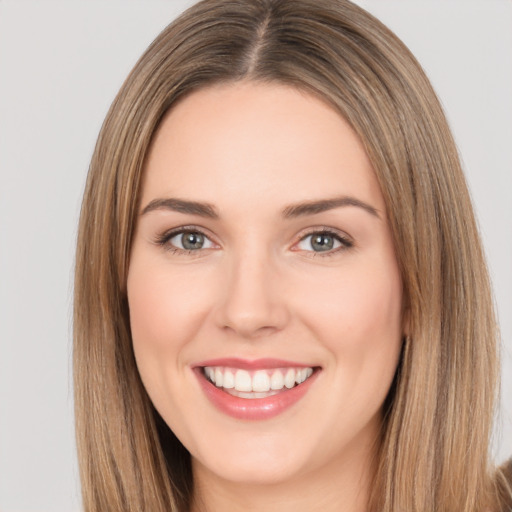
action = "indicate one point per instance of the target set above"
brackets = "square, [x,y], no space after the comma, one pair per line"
[251,139]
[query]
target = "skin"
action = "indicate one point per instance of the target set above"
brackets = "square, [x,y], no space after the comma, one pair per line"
[258,289]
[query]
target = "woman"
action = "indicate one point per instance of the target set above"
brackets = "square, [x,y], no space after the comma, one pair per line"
[281,298]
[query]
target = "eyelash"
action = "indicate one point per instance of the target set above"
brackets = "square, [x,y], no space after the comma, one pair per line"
[164,238]
[345,242]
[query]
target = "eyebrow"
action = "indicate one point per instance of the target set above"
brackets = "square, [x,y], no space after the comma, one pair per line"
[292,211]
[314,207]
[182,206]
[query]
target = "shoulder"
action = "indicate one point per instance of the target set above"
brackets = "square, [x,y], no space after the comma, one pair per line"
[504,486]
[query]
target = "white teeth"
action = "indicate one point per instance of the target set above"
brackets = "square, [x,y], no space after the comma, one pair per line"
[229,380]
[303,374]
[242,380]
[219,377]
[289,379]
[277,380]
[260,383]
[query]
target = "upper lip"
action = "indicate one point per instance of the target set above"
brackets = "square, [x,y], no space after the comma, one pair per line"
[254,364]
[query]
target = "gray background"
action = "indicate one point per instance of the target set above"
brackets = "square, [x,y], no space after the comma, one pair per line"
[61,64]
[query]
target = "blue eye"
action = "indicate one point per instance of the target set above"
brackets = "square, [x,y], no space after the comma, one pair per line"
[323,241]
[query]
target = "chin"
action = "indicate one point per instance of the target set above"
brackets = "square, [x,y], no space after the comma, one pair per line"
[264,470]
[258,460]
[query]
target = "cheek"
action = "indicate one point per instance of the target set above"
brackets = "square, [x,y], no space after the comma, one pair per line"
[358,314]
[149,303]
[165,307]
[359,322]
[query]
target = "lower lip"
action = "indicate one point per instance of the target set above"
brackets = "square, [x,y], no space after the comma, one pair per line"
[253,408]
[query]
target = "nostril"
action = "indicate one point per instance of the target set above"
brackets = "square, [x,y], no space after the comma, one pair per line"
[252,304]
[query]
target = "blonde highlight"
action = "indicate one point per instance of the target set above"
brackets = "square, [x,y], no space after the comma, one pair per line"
[445,388]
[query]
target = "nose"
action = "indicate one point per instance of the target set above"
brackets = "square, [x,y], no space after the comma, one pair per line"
[253,302]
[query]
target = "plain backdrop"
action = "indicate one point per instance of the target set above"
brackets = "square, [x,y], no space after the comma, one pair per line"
[61,63]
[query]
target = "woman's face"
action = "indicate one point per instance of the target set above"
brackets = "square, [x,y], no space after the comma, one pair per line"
[262,257]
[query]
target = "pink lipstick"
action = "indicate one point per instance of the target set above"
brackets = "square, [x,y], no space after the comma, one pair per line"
[254,390]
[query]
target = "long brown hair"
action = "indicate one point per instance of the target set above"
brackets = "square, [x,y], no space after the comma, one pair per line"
[434,446]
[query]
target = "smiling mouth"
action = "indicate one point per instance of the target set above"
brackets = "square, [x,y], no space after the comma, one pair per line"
[258,383]
[254,390]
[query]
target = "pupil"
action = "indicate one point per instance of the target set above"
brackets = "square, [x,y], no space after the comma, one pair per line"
[192,241]
[322,242]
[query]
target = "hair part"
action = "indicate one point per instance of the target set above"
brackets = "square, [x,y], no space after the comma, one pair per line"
[433,454]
